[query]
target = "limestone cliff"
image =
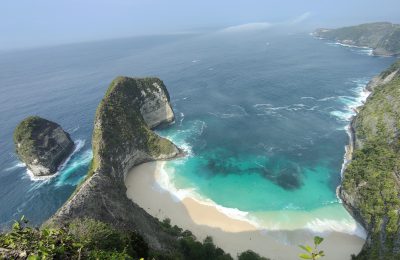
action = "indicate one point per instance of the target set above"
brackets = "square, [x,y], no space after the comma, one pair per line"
[122,138]
[42,145]
[382,37]
[371,183]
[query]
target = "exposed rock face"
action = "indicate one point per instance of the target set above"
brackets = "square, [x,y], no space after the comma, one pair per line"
[382,37]
[385,77]
[155,108]
[42,145]
[122,139]
[371,183]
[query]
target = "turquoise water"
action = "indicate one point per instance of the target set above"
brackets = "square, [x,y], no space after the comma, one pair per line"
[262,115]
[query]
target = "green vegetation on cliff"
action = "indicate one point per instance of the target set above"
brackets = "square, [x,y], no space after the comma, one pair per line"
[24,134]
[371,181]
[92,239]
[82,239]
[383,37]
[119,124]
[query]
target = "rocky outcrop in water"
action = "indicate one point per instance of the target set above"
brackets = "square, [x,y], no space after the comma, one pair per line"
[382,37]
[370,188]
[42,145]
[122,138]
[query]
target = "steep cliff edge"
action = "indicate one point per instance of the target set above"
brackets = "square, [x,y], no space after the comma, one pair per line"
[382,37]
[371,182]
[42,145]
[122,138]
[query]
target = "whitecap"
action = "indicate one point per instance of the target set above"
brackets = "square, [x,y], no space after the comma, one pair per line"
[231,111]
[73,130]
[182,117]
[15,166]
[269,109]
[180,137]
[342,115]
[326,98]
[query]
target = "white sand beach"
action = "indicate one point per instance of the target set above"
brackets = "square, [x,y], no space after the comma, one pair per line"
[232,235]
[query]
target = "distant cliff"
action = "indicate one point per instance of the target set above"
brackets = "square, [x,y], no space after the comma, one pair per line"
[383,38]
[42,145]
[122,138]
[371,182]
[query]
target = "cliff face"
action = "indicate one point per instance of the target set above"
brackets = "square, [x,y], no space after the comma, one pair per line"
[42,145]
[383,38]
[122,138]
[371,182]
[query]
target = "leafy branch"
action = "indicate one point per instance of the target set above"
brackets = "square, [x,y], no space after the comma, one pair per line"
[312,253]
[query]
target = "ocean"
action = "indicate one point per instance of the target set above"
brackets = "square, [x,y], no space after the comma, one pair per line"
[261,114]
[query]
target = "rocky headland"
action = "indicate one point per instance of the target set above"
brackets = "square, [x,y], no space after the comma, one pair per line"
[382,37]
[122,139]
[42,145]
[370,188]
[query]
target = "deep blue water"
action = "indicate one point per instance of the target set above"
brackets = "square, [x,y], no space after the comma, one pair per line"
[262,113]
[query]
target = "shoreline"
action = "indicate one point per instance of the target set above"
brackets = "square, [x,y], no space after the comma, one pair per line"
[232,235]
[349,149]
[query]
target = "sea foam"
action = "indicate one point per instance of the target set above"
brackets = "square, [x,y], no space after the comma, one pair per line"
[323,226]
[313,224]
[165,181]
[363,50]
[352,103]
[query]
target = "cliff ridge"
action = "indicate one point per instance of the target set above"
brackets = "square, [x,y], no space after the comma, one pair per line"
[122,138]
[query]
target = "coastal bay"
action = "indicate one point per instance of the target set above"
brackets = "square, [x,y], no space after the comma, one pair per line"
[233,235]
[263,135]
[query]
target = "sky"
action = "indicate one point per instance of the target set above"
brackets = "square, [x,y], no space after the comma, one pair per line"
[32,23]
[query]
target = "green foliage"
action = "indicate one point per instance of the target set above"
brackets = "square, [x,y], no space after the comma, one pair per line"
[39,244]
[82,239]
[96,234]
[371,178]
[188,247]
[250,255]
[312,252]
[100,254]
[24,136]
[92,239]
[173,230]
[192,249]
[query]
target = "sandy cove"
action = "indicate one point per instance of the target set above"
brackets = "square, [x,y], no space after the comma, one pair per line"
[232,235]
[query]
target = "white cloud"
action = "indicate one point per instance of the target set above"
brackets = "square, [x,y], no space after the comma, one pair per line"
[248,27]
[265,25]
[300,18]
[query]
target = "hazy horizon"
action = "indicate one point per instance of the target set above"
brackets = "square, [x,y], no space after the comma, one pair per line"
[28,24]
